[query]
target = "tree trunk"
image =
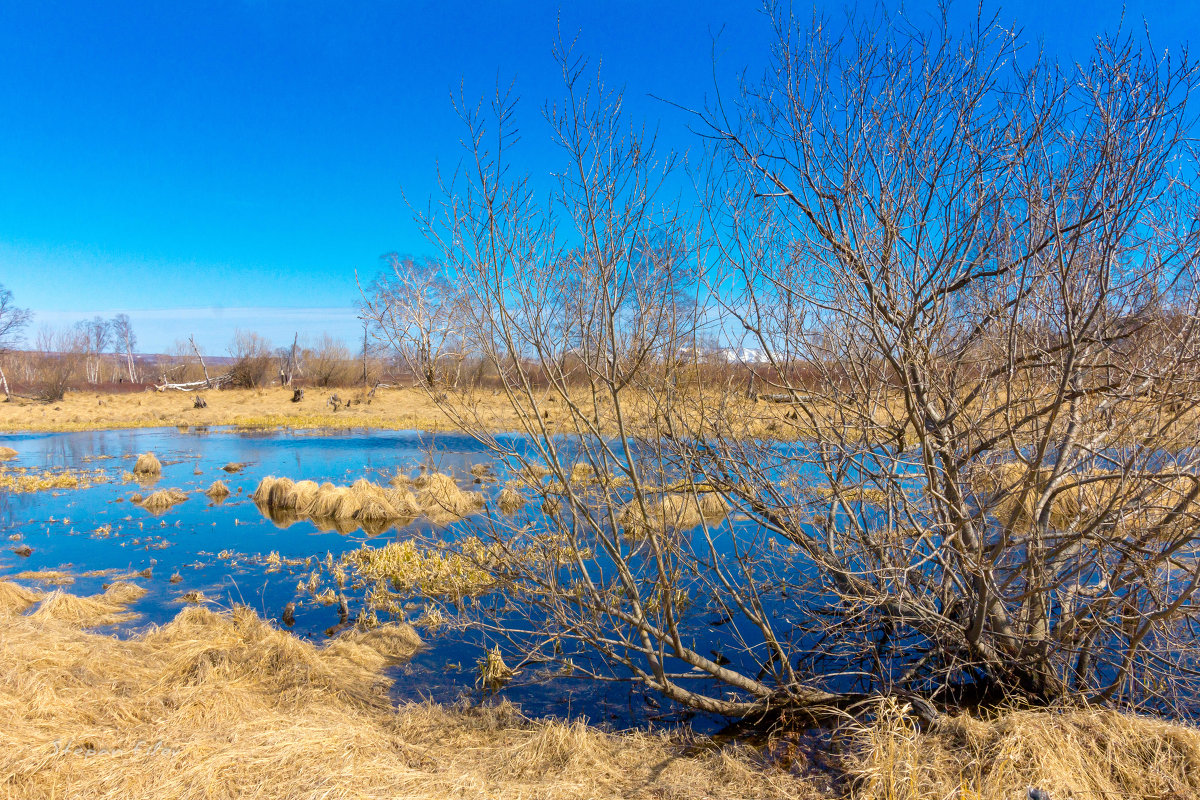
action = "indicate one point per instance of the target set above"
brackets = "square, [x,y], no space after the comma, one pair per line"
[291,363]
[196,350]
[4,383]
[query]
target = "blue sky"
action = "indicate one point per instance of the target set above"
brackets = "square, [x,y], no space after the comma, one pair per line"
[210,165]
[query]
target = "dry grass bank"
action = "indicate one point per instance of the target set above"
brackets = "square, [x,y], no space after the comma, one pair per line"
[225,706]
[397,409]
[391,409]
[1078,754]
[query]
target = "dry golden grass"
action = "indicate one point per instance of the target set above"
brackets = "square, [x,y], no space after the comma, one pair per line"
[442,500]
[163,500]
[392,409]
[1083,754]
[7,453]
[510,500]
[218,491]
[147,465]
[85,612]
[362,503]
[123,593]
[15,598]
[226,706]
[48,577]
[22,480]
[672,511]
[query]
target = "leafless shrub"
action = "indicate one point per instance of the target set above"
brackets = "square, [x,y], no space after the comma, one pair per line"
[252,360]
[970,277]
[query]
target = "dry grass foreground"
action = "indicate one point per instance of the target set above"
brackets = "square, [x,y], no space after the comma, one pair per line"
[217,705]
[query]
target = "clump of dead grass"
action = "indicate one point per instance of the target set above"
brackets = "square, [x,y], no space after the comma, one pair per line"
[7,453]
[442,500]
[217,491]
[510,500]
[672,511]
[1066,753]
[225,705]
[362,504]
[123,593]
[163,500]
[15,598]
[147,466]
[96,611]
[49,577]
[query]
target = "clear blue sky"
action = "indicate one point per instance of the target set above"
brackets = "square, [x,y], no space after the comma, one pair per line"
[205,165]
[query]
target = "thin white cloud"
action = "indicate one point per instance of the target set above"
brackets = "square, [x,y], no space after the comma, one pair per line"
[158,329]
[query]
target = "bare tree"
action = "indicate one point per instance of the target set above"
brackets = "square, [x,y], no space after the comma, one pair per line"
[252,360]
[124,342]
[12,323]
[329,362]
[420,309]
[61,357]
[972,273]
[96,334]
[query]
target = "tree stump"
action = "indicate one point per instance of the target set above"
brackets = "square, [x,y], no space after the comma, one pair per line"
[200,402]
[297,395]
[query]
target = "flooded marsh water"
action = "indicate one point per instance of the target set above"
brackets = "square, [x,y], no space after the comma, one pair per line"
[83,539]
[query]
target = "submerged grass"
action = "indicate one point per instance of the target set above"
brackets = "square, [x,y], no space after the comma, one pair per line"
[23,480]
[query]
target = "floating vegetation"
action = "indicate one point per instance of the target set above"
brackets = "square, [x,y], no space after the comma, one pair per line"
[23,480]
[123,593]
[364,504]
[234,466]
[7,453]
[147,466]
[408,569]
[50,577]
[672,511]
[494,674]
[510,500]
[163,500]
[217,492]
[442,500]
